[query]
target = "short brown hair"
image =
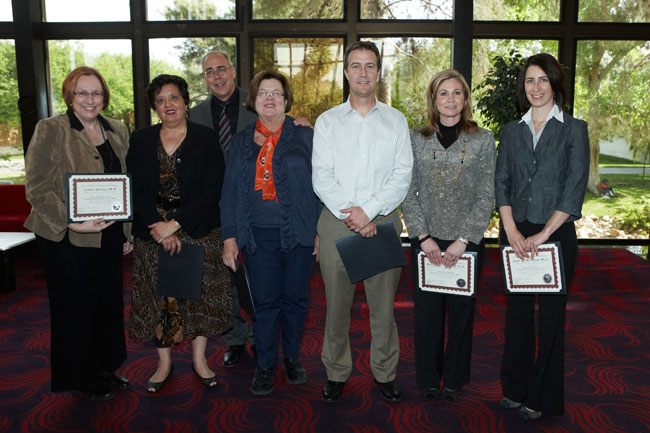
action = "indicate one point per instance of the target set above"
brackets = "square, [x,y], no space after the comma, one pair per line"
[466,123]
[70,82]
[269,75]
[362,45]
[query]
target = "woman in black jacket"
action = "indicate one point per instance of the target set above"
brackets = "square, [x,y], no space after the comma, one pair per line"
[177,169]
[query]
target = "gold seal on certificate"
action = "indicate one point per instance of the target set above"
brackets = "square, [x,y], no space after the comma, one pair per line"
[457,280]
[543,274]
[93,196]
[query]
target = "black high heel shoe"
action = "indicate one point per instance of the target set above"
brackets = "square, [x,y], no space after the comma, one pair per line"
[529,414]
[157,386]
[210,382]
[450,394]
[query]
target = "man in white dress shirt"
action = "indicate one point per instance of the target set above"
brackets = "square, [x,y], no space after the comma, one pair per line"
[362,165]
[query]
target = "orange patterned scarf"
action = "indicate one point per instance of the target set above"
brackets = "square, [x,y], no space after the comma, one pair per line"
[264,168]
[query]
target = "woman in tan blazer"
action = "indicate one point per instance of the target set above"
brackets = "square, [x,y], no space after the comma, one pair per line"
[82,262]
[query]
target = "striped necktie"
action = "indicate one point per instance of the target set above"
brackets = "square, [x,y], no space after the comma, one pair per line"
[225,132]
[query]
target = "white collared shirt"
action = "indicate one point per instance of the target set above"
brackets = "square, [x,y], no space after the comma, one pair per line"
[528,118]
[361,161]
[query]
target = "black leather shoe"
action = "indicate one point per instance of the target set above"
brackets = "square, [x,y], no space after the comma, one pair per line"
[332,391]
[262,381]
[296,373]
[98,389]
[117,380]
[390,390]
[232,355]
[450,394]
[431,393]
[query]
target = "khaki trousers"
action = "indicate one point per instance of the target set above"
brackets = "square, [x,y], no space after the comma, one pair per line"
[339,293]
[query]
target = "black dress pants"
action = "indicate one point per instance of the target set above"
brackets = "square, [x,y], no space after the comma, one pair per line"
[537,379]
[433,363]
[84,287]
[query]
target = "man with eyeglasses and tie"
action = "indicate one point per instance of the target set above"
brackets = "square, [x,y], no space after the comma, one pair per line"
[225,111]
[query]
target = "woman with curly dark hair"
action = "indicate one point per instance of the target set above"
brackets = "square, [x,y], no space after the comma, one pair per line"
[177,169]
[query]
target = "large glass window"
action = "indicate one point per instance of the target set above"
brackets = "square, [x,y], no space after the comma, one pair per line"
[408,64]
[6,11]
[86,10]
[12,163]
[484,52]
[611,91]
[112,58]
[407,9]
[182,56]
[192,10]
[314,67]
[618,11]
[517,10]
[297,9]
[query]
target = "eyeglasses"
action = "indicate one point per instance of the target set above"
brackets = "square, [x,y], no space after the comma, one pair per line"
[265,94]
[220,70]
[84,94]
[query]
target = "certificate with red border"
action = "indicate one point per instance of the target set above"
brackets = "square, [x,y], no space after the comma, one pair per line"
[92,196]
[457,280]
[543,274]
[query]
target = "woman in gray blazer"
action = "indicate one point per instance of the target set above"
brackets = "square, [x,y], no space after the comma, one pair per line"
[447,209]
[540,182]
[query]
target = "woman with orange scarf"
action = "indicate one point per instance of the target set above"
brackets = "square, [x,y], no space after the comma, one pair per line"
[269,211]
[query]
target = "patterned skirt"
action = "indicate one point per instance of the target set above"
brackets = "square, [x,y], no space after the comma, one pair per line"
[168,320]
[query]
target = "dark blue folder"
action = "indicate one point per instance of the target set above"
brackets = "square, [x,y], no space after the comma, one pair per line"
[181,275]
[365,257]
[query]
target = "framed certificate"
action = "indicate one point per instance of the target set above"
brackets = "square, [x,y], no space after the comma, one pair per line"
[93,196]
[543,274]
[458,280]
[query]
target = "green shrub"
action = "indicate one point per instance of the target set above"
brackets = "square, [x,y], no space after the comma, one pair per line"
[498,100]
[635,218]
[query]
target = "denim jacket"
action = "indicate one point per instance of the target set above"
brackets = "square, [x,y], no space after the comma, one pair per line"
[299,206]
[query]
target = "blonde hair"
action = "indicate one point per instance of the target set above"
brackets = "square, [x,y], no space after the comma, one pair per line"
[466,123]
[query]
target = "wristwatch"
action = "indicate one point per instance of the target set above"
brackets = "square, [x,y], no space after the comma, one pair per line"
[463,240]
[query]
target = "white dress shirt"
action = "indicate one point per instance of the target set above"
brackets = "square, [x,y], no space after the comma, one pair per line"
[528,119]
[361,161]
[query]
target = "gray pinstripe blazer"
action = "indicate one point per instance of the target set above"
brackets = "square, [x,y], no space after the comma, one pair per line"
[536,183]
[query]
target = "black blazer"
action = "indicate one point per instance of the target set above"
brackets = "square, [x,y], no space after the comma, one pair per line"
[536,183]
[202,113]
[200,170]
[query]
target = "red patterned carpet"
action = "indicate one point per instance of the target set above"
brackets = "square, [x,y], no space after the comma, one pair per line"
[607,369]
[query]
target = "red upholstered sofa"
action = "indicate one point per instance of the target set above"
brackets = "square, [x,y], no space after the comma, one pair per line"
[14,208]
